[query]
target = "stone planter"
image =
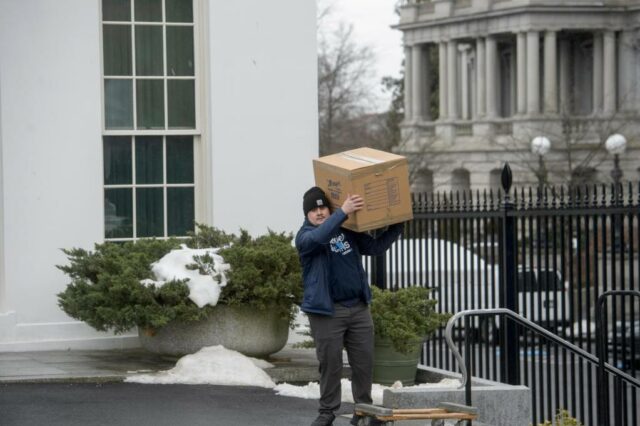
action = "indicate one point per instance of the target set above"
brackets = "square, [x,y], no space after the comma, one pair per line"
[498,404]
[246,330]
[390,365]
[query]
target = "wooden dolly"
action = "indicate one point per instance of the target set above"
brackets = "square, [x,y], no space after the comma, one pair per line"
[445,411]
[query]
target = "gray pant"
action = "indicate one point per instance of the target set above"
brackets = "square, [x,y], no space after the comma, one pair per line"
[351,328]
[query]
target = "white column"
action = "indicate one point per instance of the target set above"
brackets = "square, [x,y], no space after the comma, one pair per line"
[521,53]
[481,72]
[627,82]
[492,71]
[550,73]
[417,86]
[464,77]
[442,82]
[408,89]
[564,76]
[533,72]
[452,86]
[597,73]
[609,71]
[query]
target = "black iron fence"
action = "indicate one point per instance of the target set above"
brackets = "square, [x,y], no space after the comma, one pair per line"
[546,253]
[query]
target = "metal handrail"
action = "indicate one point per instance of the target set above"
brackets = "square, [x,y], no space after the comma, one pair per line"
[603,391]
[533,326]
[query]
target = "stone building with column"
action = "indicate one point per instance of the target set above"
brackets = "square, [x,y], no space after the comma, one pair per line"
[483,78]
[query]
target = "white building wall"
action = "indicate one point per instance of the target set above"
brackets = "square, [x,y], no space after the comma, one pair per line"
[260,130]
[51,142]
[264,112]
[3,298]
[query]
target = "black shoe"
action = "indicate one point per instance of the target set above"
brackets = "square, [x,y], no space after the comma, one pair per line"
[324,419]
[361,420]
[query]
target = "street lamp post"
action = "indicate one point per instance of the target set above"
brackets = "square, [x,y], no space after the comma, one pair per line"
[616,145]
[540,145]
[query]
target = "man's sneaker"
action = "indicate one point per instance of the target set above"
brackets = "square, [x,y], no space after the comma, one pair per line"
[324,419]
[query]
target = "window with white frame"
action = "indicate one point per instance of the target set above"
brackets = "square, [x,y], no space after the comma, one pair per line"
[149,118]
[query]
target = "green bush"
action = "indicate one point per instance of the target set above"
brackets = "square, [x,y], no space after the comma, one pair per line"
[563,418]
[106,293]
[405,316]
[208,236]
[265,274]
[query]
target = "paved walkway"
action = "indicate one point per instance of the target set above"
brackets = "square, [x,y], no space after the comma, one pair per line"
[290,365]
[102,366]
[99,366]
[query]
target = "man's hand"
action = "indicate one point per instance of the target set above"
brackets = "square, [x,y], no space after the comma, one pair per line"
[353,203]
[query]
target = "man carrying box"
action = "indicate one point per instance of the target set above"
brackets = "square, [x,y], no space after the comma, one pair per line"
[337,295]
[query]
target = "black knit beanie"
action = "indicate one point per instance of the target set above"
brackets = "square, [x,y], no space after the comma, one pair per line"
[314,197]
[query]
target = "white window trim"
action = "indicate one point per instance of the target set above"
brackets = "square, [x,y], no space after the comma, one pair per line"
[202,163]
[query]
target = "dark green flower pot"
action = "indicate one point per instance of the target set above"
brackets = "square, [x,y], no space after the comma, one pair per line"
[390,365]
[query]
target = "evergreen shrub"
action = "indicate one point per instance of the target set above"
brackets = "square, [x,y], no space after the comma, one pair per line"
[405,316]
[563,418]
[105,289]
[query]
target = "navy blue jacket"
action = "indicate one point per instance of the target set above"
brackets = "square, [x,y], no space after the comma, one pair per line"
[314,250]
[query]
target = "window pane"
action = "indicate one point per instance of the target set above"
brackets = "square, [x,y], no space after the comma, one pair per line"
[148,159]
[117,160]
[179,159]
[148,10]
[150,102]
[117,49]
[179,50]
[118,213]
[181,102]
[116,10]
[180,211]
[179,10]
[149,206]
[118,104]
[148,50]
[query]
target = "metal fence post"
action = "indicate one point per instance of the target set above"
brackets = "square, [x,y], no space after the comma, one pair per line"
[379,267]
[507,293]
[379,273]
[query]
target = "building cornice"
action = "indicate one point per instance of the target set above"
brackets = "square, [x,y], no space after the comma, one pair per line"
[521,19]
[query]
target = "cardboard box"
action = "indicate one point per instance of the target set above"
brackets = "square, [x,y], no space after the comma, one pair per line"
[381,178]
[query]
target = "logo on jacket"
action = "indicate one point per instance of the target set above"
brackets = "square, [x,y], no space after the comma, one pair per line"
[340,245]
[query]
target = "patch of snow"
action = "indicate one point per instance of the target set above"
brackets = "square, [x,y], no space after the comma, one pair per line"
[444,383]
[203,289]
[312,389]
[216,365]
[308,391]
[213,365]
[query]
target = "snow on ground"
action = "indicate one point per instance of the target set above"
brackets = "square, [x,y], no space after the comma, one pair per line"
[216,365]
[312,390]
[203,289]
[213,365]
